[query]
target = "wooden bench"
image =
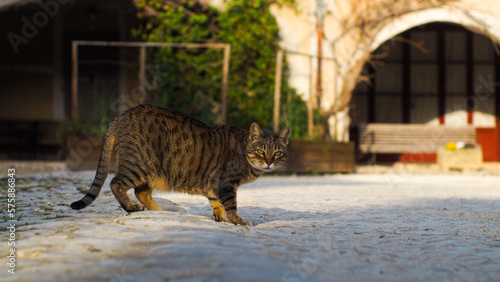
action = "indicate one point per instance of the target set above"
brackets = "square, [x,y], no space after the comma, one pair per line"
[410,138]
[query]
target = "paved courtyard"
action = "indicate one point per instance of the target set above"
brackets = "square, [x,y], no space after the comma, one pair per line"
[324,228]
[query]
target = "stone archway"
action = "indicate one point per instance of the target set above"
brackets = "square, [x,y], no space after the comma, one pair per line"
[354,51]
[472,23]
[476,20]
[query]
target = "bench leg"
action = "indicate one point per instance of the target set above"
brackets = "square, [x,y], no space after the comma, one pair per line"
[374,158]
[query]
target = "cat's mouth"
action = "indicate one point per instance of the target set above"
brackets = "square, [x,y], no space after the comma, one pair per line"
[262,166]
[266,168]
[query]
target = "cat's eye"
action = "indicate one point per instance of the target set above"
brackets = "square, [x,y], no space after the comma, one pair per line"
[260,152]
[278,153]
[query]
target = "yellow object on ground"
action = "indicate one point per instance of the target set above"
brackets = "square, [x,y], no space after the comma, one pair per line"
[452,146]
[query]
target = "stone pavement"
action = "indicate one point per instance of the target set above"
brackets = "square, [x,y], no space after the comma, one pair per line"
[324,228]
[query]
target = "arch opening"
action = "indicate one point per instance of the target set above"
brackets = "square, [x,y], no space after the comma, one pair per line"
[437,74]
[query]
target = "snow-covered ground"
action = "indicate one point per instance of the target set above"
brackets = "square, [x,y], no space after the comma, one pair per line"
[324,228]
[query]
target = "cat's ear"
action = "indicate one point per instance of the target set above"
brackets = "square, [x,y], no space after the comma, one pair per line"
[255,132]
[283,136]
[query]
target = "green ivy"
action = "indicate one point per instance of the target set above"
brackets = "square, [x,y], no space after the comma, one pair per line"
[192,77]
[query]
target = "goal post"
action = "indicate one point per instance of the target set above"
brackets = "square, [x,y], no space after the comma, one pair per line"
[142,66]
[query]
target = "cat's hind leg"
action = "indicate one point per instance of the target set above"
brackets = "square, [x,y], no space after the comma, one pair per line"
[218,210]
[144,195]
[120,184]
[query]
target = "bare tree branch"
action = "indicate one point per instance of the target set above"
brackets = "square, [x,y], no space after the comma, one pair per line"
[361,25]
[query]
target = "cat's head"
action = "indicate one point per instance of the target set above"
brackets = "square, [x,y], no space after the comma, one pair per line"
[265,150]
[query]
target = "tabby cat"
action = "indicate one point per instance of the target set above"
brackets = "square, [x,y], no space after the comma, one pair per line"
[162,149]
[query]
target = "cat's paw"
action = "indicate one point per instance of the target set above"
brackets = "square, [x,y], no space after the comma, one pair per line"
[221,219]
[246,223]
[136,208]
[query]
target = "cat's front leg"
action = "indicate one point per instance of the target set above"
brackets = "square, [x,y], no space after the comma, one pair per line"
[227,197]
[218,210]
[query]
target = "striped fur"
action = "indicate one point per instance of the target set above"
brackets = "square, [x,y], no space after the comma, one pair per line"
[161,149]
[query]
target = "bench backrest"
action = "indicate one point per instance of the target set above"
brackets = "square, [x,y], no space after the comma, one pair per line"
[410,138]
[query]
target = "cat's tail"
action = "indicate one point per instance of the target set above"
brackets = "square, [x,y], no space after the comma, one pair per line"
[101,173]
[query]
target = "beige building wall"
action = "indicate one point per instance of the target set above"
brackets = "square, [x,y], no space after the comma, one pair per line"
[350,48]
